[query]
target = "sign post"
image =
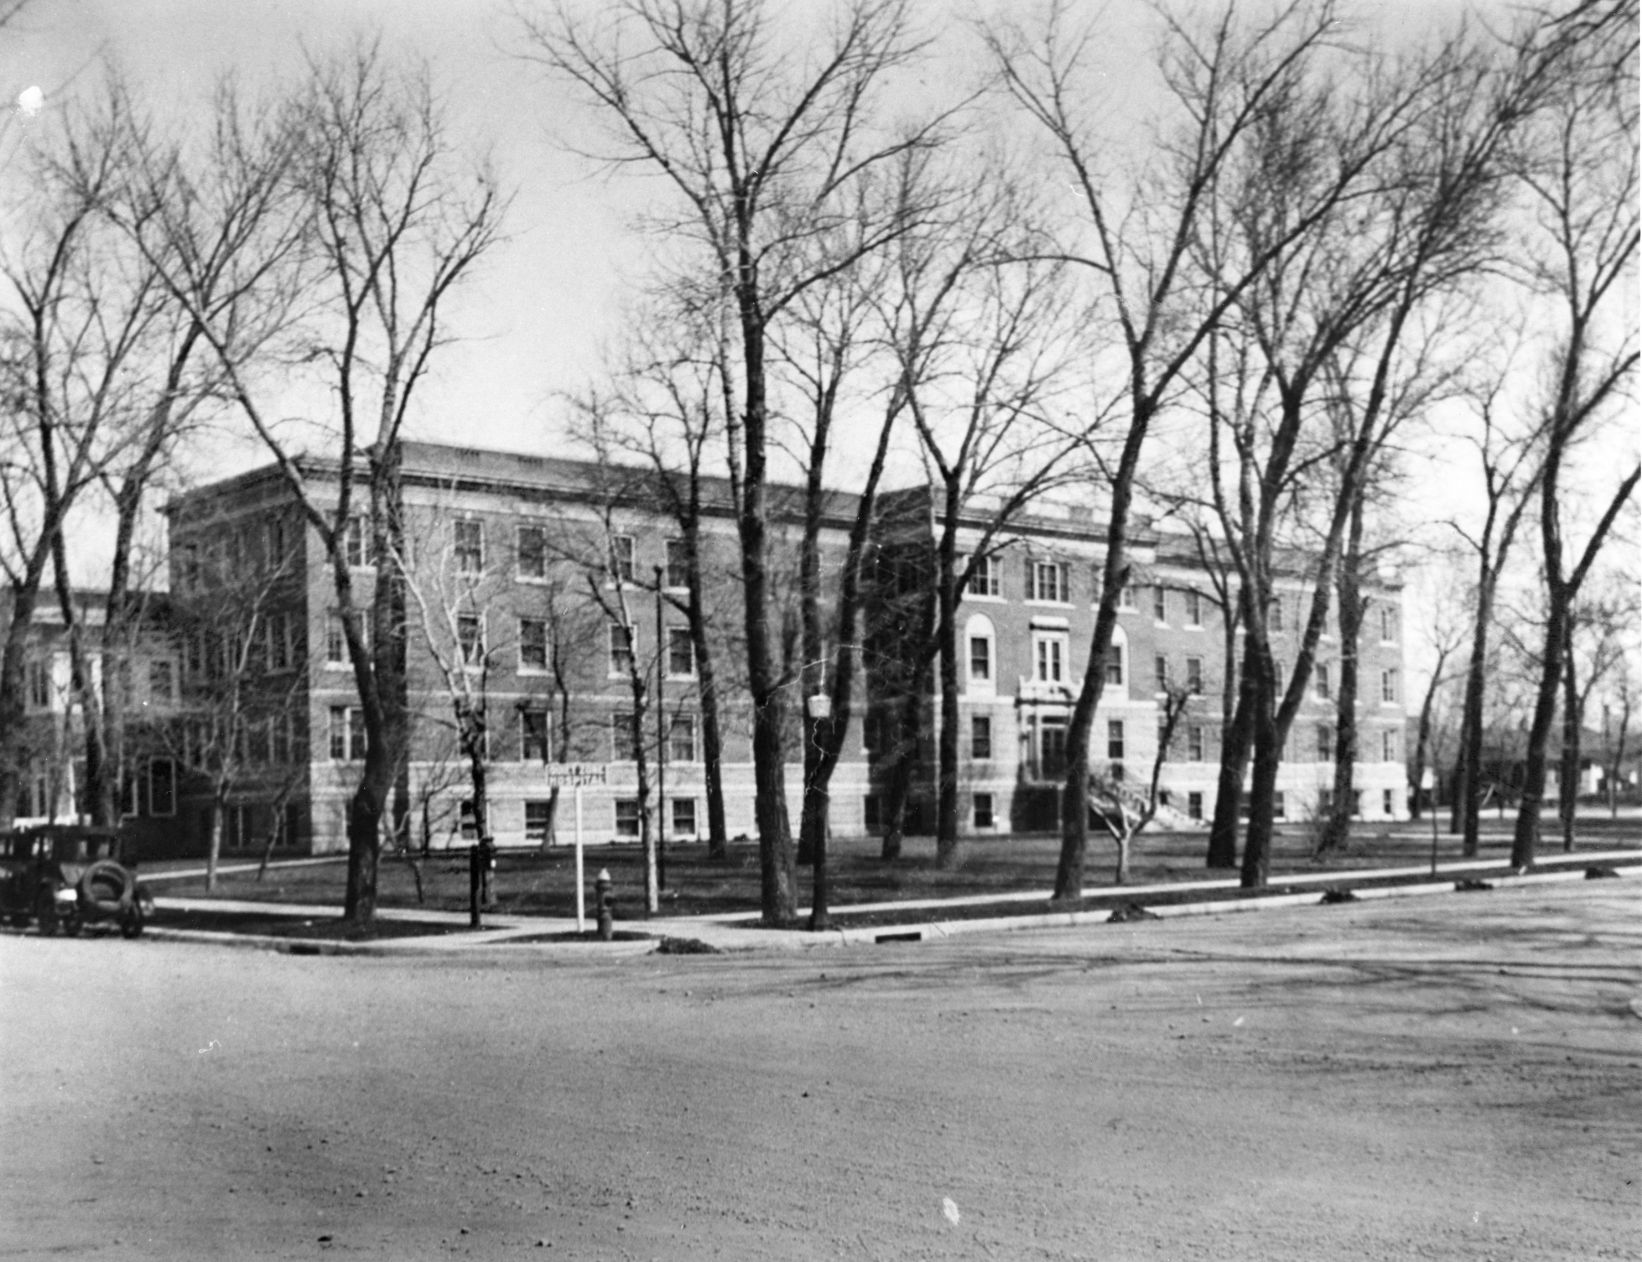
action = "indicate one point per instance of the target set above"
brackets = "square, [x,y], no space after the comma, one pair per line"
[575,775]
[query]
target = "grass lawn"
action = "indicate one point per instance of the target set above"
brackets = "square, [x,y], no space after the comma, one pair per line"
[538,882]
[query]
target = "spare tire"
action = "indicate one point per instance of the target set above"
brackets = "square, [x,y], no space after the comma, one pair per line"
[107,888]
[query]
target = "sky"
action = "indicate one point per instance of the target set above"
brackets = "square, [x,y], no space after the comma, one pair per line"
[535,319]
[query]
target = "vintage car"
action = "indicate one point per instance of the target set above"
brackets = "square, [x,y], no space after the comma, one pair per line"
[62,876]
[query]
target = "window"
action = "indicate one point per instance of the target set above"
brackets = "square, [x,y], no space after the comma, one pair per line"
[533,741]
[869,811]
[274,542]
[1194,609]
[470,638]
[1160,672]
[678,564]
[681,738]
[279,733]
[347,733]
[468,820]
[1194,676]
[276,635]
[1126,596]
[532,644]
[336,641]
[1388,624]
[470,545]
[1356,803]
[1279,805]
[1194,805]
[980,659]
[681,653]
[1325,743]
[1325,801]
[1195,742]
[162,679]
[984,577]
[1164,742]
[162,787]
[1388,686]
[684,817]
[1388,745]
[1049,658]
[621,649]
[627,817]
[1160,603]
[624,737]
[1388,802]
[538,820]
[980,737]
[1276,613]
[532,549]
[621,557]
[1047,581]
[354,538]
[1325,682]
[983,810]
[1114,739]
[39,685]
[1114,665]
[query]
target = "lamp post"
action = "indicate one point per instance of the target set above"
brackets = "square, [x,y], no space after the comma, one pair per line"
[661,742]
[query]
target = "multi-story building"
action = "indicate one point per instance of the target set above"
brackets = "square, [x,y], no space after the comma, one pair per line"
[1025,624]
[535,596]
[143,666]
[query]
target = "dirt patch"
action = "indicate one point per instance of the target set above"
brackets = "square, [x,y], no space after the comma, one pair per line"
[1455,1076]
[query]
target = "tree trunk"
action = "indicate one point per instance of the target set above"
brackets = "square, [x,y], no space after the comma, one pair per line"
[777,876]
[213,847]
[1568,768]
[903,762]
[946,800]
[712,739]
[1348,585]
[1422,743]
[1267,742]
[1236,738]
[1468,801]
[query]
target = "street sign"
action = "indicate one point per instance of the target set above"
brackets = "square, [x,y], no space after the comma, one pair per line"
[575,774]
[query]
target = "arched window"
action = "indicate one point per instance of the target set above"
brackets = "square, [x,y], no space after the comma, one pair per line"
[1117,661]
[981,652]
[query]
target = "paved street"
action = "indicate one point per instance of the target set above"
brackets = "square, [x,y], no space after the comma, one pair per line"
[1455,1076]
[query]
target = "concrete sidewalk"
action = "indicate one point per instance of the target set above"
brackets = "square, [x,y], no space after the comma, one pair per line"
[740,932]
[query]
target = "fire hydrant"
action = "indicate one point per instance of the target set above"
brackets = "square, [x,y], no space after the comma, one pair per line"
[604,904]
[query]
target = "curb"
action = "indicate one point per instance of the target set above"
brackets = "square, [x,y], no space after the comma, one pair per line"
[497,943]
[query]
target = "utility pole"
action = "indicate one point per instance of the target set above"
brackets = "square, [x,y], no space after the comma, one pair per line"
[661,740]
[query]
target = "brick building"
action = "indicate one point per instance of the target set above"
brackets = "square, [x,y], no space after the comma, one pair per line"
[534,594]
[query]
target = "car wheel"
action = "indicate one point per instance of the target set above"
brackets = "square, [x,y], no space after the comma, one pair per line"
[131,924]
[45,912]
[107,887]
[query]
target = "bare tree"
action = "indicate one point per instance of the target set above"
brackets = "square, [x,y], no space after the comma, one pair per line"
[667,405]
[1581,169]
[1598,629]
[1511,467]
[243,681]
[1232,85]
[355,203]
[980,320]
[76,353]
[1125,813]
[764,143]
